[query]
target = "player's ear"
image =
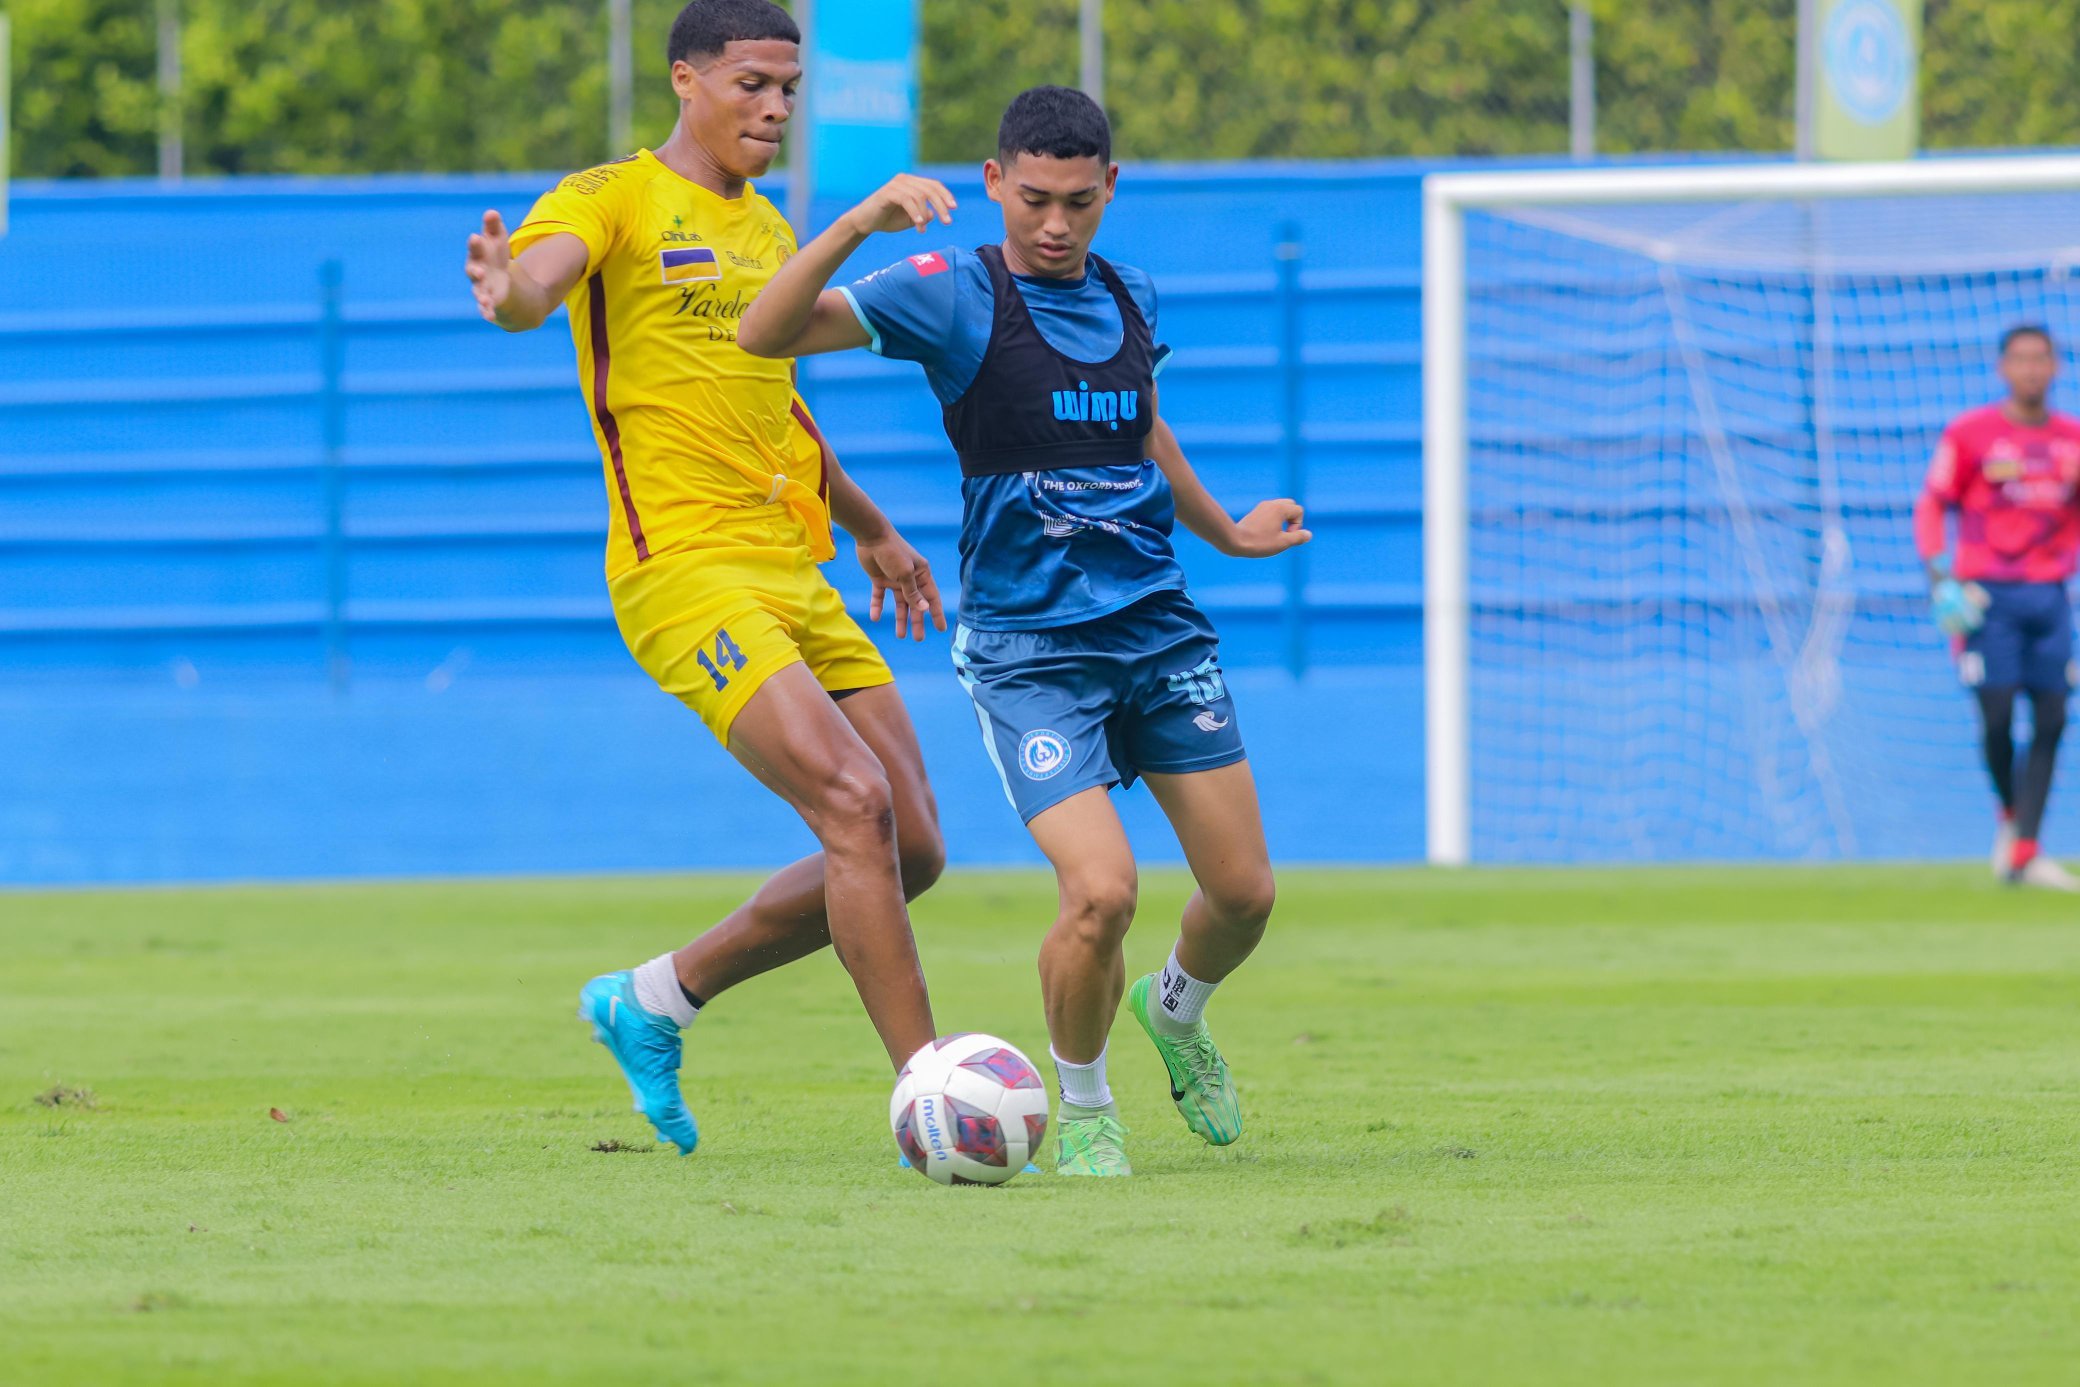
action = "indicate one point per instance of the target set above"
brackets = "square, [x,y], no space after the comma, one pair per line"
[1111,181]
[993,179]
[684,79]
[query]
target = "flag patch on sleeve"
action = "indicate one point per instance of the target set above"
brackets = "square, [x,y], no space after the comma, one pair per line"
[688,265]
[930,263]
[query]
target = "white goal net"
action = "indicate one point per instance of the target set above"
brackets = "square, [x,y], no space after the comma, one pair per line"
[1675,603]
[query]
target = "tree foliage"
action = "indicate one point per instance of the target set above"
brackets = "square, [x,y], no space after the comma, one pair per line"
[318,86]
[2000,72]
[84,100]
[1695,74]
[303,86]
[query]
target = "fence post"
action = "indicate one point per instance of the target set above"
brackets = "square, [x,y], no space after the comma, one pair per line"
[1581,82]
[621,122]
[1806,79]
[172,154]
[332,425]
[1090,49]
[1294,458]
[801,133]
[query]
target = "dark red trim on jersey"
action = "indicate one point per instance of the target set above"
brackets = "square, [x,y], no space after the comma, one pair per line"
[610,430]
[823,473]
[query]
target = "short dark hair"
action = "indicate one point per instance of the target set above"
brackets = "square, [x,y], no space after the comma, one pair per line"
[705,27]
[2026,330]
[1057,121]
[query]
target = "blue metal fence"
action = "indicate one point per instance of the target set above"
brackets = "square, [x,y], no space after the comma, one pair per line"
[275,504]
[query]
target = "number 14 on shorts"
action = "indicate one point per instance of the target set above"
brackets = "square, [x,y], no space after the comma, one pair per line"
[727,658]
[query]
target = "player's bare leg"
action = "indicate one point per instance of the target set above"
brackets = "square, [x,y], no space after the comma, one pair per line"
[793,737]
[786,918]
[1083,971]
[1082,965]
[1221,830]
[803,748]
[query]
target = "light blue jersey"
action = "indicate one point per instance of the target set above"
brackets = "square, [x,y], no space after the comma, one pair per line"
[1046,548]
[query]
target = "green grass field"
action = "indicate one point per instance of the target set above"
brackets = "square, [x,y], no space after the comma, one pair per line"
[1662,1127]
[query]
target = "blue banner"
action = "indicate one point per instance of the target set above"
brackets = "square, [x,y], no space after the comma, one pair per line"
[862,94]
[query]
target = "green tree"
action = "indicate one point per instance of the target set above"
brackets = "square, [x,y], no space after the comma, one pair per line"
[977,55]
[290,86]
[297,86]
[1695,74]
[334,86]
[2000,72]
[1187,79]
[1337,78]
[85,99]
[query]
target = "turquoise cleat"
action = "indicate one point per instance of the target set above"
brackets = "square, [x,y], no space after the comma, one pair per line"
[646,1047]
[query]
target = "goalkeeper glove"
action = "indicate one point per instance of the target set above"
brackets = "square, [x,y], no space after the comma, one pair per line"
[1959,608]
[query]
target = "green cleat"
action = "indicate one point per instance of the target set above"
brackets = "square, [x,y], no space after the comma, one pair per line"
[1090,1141]
[1199,1082]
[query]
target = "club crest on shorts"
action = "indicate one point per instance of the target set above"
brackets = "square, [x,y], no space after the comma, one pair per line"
[1042,753]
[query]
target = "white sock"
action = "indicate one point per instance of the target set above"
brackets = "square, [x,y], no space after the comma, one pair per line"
[1180,999]
[658,991]
[1083,1084]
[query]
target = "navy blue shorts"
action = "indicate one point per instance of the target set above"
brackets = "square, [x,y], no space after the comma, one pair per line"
[1100,702]
[2026,641]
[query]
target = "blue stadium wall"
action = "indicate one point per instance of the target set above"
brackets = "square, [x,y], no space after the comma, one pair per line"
[300,562]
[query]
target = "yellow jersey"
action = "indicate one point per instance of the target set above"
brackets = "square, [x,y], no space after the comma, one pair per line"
[690,426]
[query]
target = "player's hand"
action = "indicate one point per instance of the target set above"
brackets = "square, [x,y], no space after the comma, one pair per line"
[905,200]
[1271,528]
[1959,608]
[490,266]
[897,568]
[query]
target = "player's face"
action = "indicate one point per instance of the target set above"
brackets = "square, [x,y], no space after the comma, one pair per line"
[2028,366]
[737,104]
[1052,208]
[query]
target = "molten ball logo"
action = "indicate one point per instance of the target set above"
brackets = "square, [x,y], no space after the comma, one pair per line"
[932,1129]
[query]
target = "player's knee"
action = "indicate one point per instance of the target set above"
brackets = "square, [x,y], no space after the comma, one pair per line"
[1242,902]
[922,857]
[855,807]
[1098,910]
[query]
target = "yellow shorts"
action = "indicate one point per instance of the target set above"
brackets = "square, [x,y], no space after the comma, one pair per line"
[712,623]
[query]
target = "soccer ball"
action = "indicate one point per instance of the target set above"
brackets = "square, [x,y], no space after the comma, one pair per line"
[969,1110]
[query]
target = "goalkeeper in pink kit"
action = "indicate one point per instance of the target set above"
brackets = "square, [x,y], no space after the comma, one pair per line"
[2011,471]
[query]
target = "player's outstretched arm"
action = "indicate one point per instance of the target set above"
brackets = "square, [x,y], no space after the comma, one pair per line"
[891,563]
[520,294]
[1271,527]
[794,315]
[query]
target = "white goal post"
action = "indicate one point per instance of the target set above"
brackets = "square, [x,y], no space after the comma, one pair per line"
[1451,592]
